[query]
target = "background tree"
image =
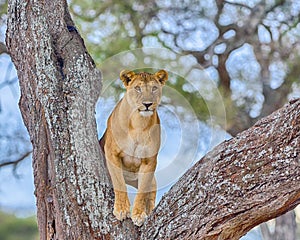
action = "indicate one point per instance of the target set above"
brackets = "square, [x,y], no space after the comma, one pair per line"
[60,86]
[267,30]
[14,142]
[16,228]
[214,33]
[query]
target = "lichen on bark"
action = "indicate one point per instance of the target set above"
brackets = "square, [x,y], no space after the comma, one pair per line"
[235,187]
[240,183]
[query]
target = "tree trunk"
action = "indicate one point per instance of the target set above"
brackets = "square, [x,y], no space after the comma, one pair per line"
[59,88]
[241,183]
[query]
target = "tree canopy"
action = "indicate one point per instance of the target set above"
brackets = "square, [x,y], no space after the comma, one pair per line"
[249,49]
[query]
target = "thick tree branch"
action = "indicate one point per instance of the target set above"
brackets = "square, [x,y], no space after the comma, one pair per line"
[241,183]
[59,88]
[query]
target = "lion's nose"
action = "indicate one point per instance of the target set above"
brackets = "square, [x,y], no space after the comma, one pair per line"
[147,104]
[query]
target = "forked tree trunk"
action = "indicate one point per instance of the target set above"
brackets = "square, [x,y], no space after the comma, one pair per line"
[239,184]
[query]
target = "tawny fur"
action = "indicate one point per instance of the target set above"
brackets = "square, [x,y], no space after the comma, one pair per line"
[131,143]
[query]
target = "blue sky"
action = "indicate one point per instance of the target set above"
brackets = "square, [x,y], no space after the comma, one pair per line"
[17,191]
[16,187]
[16,194]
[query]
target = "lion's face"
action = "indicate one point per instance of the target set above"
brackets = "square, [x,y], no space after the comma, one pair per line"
[143,90]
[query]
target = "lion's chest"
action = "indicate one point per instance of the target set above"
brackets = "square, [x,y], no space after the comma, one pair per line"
[132,155]
[139,145]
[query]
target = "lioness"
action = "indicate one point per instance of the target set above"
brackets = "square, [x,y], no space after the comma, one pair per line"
[131,143]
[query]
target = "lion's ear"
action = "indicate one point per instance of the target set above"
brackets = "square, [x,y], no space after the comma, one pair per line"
[162,76]
[126,76]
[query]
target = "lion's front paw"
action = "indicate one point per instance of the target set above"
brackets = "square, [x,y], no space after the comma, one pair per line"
[121,214]
[138,218]
[122,210]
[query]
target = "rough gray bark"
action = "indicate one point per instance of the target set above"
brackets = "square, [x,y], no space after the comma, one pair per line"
[59,88]
[237,185]
[241,183]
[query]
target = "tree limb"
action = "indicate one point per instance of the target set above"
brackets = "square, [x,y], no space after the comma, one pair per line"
[238,5]
[16,161]
[241,183]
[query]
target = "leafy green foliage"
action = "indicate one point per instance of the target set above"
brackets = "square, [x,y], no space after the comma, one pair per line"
[13,228]
[3,7]
[196,101]
[109,23]
[241,45]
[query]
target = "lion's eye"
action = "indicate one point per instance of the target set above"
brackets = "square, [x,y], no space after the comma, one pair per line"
[154,89]
[138,89]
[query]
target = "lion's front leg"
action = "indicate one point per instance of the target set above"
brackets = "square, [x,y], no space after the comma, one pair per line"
[121,204]
[146,192]
[150,204]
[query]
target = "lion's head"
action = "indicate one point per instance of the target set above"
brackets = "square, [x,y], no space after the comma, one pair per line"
[143,90]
